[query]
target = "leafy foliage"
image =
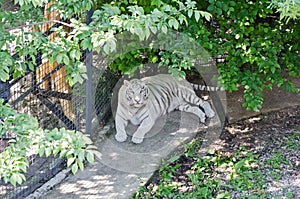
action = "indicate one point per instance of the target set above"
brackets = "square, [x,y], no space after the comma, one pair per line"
[19,28]
[31,140]
[288,9]
[260,49]
[98,35]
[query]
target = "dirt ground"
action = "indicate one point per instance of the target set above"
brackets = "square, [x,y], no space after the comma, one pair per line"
[262,135]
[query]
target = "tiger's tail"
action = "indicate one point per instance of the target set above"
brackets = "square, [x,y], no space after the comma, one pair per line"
[200,87]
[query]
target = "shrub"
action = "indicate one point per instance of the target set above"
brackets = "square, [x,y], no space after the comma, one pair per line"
[29,139]
[261,50]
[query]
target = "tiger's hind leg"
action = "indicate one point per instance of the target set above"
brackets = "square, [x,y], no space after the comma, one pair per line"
[192,98]
[193,109]
[207,109]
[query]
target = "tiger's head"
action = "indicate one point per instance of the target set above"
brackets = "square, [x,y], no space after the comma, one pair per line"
[136,93]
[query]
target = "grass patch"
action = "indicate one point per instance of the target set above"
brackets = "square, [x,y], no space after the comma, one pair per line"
[242,174]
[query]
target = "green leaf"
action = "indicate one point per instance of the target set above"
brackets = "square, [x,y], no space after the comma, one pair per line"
[66,59]
[211,151]
[106,49]
[70,161]
[81,166]
[140,32]
[164,29]
[55,151]
[51,60]
[154,59]
[153,29]
[147,33]
[207,16]
[41,151]
[62,153]
[21,2]
[22,176]
[273,69]
[19,179]
[223,195]
[190,13]
[219,4]
[4,76]
[73,54]
[74,169]
[90,157]
[232,3]
[85,44]
[197,15]
[23,168]
[48,151]
[13,179]
[173,159]
[175,24]
[211,8]
[182,19]
[87,140]
[81,155]
[78,54]
[170,22]
[239,165]
[219,11]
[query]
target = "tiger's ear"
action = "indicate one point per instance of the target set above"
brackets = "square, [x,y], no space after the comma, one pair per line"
[126,82]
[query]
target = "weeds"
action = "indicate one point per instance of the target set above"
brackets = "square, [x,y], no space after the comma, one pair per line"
[215,175]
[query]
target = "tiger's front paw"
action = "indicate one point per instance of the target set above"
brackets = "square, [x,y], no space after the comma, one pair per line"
[208,110]
[210,113]
[137,140]
[121,137]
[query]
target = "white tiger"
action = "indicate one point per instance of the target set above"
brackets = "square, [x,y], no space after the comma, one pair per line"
[142,101]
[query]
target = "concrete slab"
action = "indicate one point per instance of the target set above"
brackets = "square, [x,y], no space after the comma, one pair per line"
[124,166]
[100,182]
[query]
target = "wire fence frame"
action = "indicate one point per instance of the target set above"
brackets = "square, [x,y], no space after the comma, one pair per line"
[47,98]
[88,63]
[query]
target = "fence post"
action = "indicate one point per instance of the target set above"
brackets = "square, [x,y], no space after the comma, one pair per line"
[89,82]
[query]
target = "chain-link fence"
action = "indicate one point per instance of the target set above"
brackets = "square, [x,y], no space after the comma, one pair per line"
[45,94]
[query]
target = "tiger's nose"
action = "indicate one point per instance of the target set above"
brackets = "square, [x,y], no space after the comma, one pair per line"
[137,99]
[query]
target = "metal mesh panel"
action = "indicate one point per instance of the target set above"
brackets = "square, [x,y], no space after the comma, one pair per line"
[102,82]
[40,170]
[104,89]
[26,96]
[45,94]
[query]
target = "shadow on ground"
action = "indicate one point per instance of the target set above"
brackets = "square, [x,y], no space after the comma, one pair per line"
[124,166]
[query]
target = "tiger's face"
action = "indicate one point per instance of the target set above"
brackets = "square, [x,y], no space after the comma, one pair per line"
[136,93]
